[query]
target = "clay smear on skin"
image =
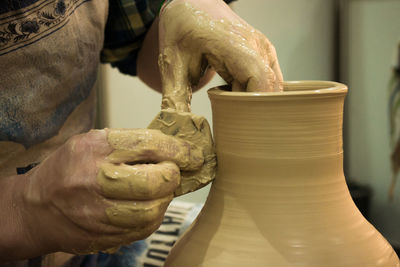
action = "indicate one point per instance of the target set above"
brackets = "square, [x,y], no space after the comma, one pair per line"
[148,187]
[195,130]
[207,39]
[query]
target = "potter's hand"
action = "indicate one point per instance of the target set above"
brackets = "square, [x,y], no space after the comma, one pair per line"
[195,33]
[104,188]
[194,129]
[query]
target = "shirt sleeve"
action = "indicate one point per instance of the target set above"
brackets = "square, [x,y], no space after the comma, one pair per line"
[127,24]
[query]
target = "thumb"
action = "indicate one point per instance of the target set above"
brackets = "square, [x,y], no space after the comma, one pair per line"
[176,87]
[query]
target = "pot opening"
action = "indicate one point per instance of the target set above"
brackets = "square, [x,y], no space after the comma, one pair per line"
[290,88]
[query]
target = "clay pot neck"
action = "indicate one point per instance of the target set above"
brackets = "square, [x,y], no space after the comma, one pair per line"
[286,140]
[291,124]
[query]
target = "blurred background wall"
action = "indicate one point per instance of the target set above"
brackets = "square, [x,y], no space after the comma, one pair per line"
[305,35]
[371,35]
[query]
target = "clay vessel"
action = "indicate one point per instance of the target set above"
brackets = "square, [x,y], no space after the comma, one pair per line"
[280,197]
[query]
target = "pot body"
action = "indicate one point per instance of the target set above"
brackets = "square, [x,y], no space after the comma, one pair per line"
[280,197]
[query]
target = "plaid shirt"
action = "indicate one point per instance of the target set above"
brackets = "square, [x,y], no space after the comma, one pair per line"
[127,24]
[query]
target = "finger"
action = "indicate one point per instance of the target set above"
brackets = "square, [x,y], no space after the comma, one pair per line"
[94,219]
[268,82]
[173,63]
[279,76]
[138,182]
[208,76]
[137,214]
[244,59]
[135,234]
[152,146]
[236,69]
[196,67]
[219,67]
[177,91]
[272,58]
[111,243]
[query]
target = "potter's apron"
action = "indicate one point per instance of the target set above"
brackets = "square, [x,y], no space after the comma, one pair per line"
[49,56]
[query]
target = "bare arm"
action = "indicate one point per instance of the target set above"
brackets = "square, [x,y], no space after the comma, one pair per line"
[15,242]
[147,62]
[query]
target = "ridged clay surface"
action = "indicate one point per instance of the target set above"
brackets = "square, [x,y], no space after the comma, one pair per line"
[280,196]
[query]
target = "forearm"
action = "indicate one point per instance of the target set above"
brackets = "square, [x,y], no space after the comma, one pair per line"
[147,62]
[15,241]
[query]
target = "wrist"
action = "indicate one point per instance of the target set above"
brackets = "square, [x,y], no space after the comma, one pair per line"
[33,213]
[17,241]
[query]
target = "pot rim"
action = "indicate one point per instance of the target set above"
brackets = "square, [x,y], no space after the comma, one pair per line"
[291,88]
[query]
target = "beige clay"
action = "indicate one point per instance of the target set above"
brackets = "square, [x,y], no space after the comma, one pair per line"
[136,183]
[228,45]
[280,196]
[196,130]
[142,171]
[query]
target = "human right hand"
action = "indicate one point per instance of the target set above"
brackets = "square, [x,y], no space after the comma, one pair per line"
[103,189]
[196,33]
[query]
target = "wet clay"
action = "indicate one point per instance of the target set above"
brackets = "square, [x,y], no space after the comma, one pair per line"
[124,214]
[142,172]
[280,196]
[243,56]
[150,145]
[139,181]
[196,130]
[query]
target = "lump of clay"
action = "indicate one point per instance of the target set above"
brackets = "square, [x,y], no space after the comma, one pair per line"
[196,130]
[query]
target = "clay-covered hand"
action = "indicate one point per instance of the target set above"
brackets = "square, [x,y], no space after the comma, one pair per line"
[196,33]
[194,129]
[103,189]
